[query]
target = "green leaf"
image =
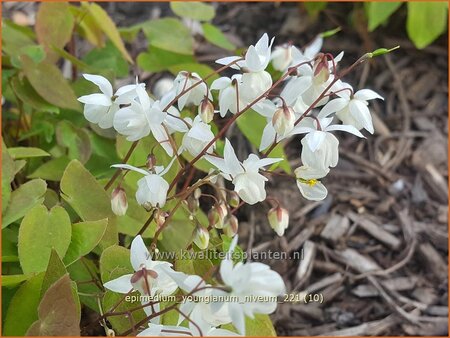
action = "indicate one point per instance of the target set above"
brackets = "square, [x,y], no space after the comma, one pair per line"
[28,95]
[40,232]
[315,7]
[54,25]
[83,270]
[121,323]
[379,12]
[48,81]
[85,237]
[252,125]
[169,34]
[7,177]
[426,21]
[55,270]
[87,26]
[108,27]
[23,199]
[13,280]
[89,200]
[193,10]
[260,326]
[157,59]
[22,310]
[113,258]
[109,58]
[27,152]
[52,170]
[75,139]
[215,36]
[57,312]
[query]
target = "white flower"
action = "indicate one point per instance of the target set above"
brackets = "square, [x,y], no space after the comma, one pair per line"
[183,81]
[152,188]
[201,238]
[255,80]
[198,137]
[282,57]
[151,277]
[101,108]
[352,109]
[247,282]
[248,182]
[227,94]
[309,185]
[278,220]
[146,116]
[256,58]
[308,53]
[157,330]
[320,147]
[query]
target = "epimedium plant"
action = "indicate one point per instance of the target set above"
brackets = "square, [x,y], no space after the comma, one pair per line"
[125,201]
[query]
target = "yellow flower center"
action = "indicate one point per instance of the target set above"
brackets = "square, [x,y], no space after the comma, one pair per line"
[311,182]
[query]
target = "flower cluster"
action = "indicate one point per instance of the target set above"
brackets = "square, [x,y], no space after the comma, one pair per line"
[312,102]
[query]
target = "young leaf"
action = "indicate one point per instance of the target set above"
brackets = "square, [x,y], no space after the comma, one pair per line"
[41,231]
[13,280]
[23,199]
[108,27]
[54,25]
[22,310]
[89,200]
[379,12]
[193,10]
[48,81]
[215,36]
[426,21]
[75,139]
[55,270]
[58,313]
[169,34]
[28,95]
[7,177]
[85,237]
[113,258]
[27,152]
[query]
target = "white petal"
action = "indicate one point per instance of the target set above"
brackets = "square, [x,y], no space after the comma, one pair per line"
[367,94]
[265,108]
[361,113]
[347,128]
[231,159]
[161,136]
[332,107]
[130,167]
[139,253]
[268,136]
[96,99]
[295,88]
[237,317]
[120,285]
[315,139]
[101,82]
[94,113]
[252,59]
[227,60]
[220,83]
[314,48]
[317,192]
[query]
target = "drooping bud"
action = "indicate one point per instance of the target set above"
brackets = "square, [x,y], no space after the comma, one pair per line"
[321,70]
[231,226]
[233,199]
[206,110]
[217,214]
[151,161]
[278,220]
[143,279]
[283,120]
[193,204]
[119,203]
[201,238]
[160,218]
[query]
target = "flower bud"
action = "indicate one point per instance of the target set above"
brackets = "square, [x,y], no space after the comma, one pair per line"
[201,238]
[217,214]
[143,279]
[160,218]
[119,203]
[206,110]
[283,120]
[231,226]
[151,161]
[233,199]
[278,220]
[321,70]
[193,204]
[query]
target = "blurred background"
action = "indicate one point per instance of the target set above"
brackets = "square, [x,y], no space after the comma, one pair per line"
[376,249]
